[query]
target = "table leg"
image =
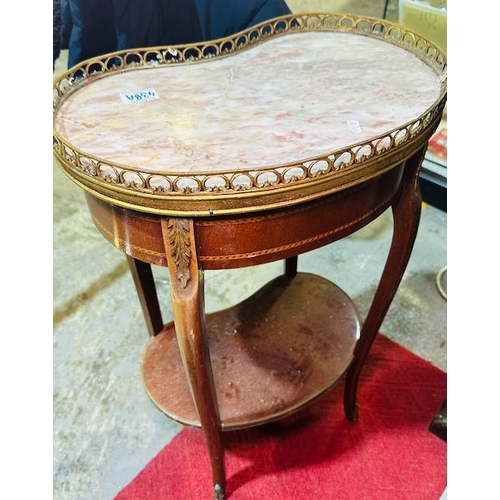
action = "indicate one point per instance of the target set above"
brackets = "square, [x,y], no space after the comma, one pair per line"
[146,289]
[291,266]
[186,287]
[406,210]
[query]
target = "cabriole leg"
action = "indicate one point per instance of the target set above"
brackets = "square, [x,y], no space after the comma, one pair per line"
[186,285]
[406,210]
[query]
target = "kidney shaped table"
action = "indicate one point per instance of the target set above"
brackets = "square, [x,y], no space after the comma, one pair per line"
[241,151]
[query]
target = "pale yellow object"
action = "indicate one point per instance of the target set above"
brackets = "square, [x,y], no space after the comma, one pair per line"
[426,17]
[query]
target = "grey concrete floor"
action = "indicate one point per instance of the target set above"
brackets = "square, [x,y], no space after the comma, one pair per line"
[105,428]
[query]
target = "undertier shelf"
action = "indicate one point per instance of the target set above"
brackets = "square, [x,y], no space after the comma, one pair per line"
[271,354]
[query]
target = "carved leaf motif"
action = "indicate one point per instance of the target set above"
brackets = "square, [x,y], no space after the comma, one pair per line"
[178,237]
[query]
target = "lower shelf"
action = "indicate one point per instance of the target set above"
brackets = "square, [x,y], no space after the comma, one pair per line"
[271,354]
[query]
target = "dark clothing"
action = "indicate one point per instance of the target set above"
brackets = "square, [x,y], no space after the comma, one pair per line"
[220,18]
[56,29]
[102,26]
[149,23]
[66,24]
[93,31]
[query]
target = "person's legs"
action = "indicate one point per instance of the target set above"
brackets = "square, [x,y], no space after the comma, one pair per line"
[56,29]
[180,22]
[138,24]
[93,32]
[220,18]
[66,24]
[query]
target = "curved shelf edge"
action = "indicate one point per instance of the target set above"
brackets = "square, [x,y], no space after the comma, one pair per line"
[271,355]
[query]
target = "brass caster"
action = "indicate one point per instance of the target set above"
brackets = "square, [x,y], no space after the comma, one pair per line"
[354,415]
[219,493]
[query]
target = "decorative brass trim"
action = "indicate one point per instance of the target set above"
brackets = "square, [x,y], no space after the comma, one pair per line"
[209,193]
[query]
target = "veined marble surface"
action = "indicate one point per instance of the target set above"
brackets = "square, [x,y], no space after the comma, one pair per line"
[287,99]
[105,427]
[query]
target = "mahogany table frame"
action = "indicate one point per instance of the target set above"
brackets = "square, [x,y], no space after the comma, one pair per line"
[188,241]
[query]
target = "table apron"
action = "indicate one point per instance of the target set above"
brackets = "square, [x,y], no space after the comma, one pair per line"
[227,242]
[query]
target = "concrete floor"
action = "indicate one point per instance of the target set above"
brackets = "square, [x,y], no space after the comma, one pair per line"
[106,429]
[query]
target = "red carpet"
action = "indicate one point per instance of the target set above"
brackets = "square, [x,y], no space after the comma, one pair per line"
[389,454]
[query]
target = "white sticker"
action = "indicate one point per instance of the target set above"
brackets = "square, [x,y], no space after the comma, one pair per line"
[354,126]
[140,95]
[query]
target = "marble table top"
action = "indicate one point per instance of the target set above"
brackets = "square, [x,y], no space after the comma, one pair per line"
[287,99]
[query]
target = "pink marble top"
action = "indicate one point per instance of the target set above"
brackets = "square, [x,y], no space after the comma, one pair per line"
[287,99]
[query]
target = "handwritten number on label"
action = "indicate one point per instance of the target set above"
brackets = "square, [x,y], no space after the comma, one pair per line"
[139,95]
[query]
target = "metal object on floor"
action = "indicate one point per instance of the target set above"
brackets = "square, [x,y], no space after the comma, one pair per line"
[439,423]
[441,282]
